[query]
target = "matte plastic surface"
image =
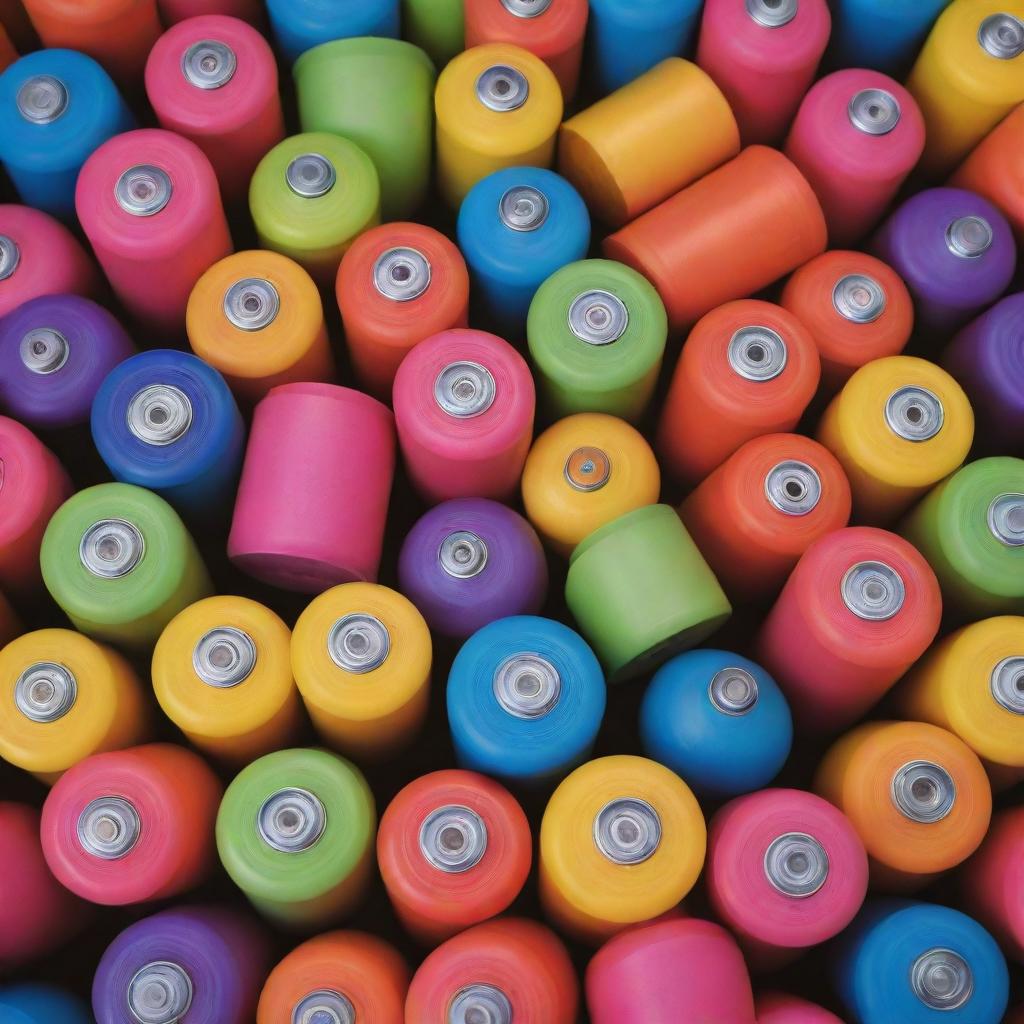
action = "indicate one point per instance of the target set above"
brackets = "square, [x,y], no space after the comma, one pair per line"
[300,25]
[882,34]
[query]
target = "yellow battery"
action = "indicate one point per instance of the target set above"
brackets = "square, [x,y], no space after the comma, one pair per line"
[361,656]
[496,106]
[64,697]
[222,674]
[622,840]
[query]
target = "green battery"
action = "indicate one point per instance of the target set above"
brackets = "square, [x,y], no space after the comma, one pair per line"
[437,26]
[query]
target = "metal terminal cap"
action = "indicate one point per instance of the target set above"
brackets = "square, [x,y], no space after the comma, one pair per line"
[923,792]
[358,643]
[252,304]
[942,979]
[526,8]
[858,298]
[44,350]
[324,1006]
[10,256]
[42,99]
[224,657]
[598,317]
[1007,684]
[159,414]
[291,820]
[969,237]
[463,554]
[501,88]
[527,685]
[159,993]
[874,111]
[793,487]
[480,1004]
[401,274]
[773,13]
[208,64]
[523,208]
[796,865]
[111,548]
[45,692]
[757,353]
[1002,36]
[914,413]
[143,190]
[873,591]
[109,827]
[311,175]
[627,830]
[453,838]
[464,389]
[733,691]
[588,469]
[1006,519]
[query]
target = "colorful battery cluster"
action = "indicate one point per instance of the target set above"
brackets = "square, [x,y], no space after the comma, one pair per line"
[687,246]
[299,25]
[916,794]
[361,656]
[30,1003]
[748,368]
[454,849]
[292,477]
[882,34]
[131,826]
[397,285]
[295,833]
[173,11]
[777,1008]
[865,606]
[56,107]
[121,564]
[214,81]
[222,674]
[464,406]
[470,561]
[496,106]
[436,26]
[149,203]
[525,699]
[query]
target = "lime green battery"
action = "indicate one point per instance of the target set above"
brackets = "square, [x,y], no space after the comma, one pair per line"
[437,26]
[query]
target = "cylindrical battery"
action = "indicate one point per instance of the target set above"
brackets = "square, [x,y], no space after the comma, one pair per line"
[361,656]
[56,107]
[496,106]
[214,81]
[436,26]
[687,246]
[763,54]
[132,826]
[881,34]
[65,697]
[454,849]
[464,407]
[36,1003]
[748,368]
[222,674]
[173,11]
[292,476]
[758,512]
[597,333]
[470,561]
[525,700]
[856,137]
[776,1008]
[865,606]
[918,797]
[257,317]
[150,206]
[300,25]
[295,833]
[397,285]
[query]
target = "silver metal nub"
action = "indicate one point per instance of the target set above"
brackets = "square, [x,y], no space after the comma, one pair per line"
[588,469]
[923,792]
[1006,519]
[527,685]
[453,838]
[111,548]
[969,237]
[324,1006]
[311,175]
[874,111]
[873,591]
[463,554]
[109,827]
[914,413]
[159,414]
[793,487]
[942,979]
[358,643]
[757,353]
[10,256]
[480,1004]
[159,993]
[598,317]
[627,830]
[733,691]
[1007,684]
[773,13]
[464,389]
[224,657]
[208,64]
[252,304]
[796,865]
[42,99]
[858,298]
[291,820]
[45,692]
[401,274]
[501,88]
[143,190]
[526,8]
[523,208]
[1002,36]
[44,350]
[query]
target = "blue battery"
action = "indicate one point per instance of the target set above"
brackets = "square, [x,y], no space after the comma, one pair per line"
[718,720]
[56,108]
[526,697]
[881,34]
[517,227]
[299,25]
[904,962]
[167,421]
[41,1004]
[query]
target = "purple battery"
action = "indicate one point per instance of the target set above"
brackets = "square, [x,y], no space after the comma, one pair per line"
[197,966]
[55,351]
[987,358]
[955,251]
[470,561]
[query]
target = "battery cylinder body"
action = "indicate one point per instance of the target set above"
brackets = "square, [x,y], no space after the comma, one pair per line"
[299,25]
[881,34]
[438,27]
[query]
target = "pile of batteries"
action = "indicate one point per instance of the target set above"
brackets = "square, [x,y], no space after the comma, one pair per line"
[511,511]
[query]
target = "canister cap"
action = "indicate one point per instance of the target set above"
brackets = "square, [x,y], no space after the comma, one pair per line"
[159,414]
[523,208]
[42,99]
[143,190]
[796,865]
[324,1006]
[923,791]
[914,413]
[501,88]
[464,389]
[44,350]
[858,298]
[224,657]
[942,979]
[627,830]
[598,317]
[252,304]
[291,820]
[480,1004]
[10,257]
[111,548]
[401,274]
[773,13]
[359,643]
[45,691]
[527,685]
[159,993]
[874,111]
[453,838]
[1002,36]
[208,64]
[311,175]
[793,487]
[463,554]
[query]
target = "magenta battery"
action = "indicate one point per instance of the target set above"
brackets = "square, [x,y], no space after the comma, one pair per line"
[213,79]
[856,137]
[464,405]
[316,482]
[149,203]
[778,1008]
[763,55]
[470,561]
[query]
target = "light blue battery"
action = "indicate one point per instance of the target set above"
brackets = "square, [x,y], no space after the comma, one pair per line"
[881,34]
[299,25]
[41,1004]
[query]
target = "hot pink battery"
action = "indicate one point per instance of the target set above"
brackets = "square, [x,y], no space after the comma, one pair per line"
[777,1008]
[173,11]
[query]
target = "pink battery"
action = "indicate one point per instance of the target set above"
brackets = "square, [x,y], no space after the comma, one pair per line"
[856,137]
[173,11]
[777,1008]
[39,256]
[313,499]
[149,203]
[670,970]
[213,80]
[464,406]
[763,55]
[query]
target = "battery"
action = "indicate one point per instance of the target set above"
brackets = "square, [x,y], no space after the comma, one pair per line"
[436,26]
[299,25]
[777,1008]
[881,34]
